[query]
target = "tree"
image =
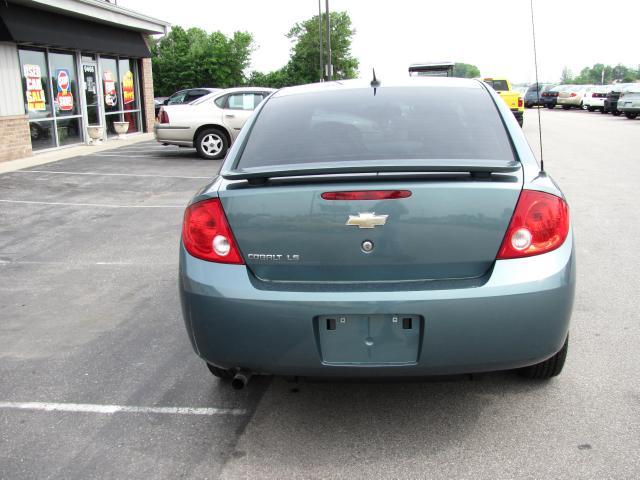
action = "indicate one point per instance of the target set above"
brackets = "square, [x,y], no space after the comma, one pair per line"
[304,63]
[465,70]
[195,58]
[601,73]
[566,76]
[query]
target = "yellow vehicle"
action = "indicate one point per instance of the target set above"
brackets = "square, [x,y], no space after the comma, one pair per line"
[512,98]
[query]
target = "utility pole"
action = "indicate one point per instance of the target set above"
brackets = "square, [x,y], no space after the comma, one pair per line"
[320,32]
[329,65]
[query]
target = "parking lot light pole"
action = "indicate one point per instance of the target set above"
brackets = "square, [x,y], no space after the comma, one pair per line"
[329,66]
[320,35]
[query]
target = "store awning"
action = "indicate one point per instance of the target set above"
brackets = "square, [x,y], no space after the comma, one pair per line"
[39,27]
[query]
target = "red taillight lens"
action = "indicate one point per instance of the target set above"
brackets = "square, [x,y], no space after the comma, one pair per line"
[519,103]
[206,233]
[539,224]
[367,195]
[164,116]
[573,94]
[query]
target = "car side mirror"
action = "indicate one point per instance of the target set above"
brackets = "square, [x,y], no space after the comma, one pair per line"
[166,101]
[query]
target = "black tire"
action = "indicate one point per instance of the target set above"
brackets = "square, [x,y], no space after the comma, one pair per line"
[220,372]
[549,106]
[616,113]
[591,109]
[550,367]
[212,144]
[631,115]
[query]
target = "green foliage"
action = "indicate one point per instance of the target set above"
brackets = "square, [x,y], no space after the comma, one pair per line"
[594,75]
[304,64]
[465,70]
[194,58]
[566,77]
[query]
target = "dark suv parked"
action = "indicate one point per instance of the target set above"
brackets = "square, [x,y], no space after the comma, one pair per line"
[531,95]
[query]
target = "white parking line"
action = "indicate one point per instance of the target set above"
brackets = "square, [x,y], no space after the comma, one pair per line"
[108,174]
[82,264]
[32,202]
[110,409]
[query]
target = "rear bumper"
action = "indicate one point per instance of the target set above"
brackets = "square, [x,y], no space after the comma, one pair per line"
[519,317]
[174,135]
[573,101]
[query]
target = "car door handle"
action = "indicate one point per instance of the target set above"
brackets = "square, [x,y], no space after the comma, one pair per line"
[229,115]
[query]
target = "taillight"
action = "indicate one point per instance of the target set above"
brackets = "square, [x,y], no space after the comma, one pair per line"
[539,224]
[367,195]
[206,233]
[163,116]
[520,103]
[573,94]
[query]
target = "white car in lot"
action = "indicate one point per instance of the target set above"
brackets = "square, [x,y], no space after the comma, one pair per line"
[573,96]
[209,124]
[594,99]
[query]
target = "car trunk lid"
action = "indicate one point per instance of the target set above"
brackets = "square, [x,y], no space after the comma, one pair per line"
[448,228]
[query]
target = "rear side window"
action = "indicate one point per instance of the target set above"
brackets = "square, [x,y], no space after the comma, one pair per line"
[397,123]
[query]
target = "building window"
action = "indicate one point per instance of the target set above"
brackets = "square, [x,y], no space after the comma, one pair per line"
[51,93]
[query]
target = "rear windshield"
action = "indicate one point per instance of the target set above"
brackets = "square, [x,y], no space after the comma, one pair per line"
[500,85]
[394,124]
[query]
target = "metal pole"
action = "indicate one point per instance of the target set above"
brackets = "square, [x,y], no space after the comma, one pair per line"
[320,32]
[329,65]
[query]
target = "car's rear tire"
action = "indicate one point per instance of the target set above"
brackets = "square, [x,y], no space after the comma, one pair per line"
[550,367]
[212,144]
[616,113]
[591,109]
[549,106]
[630,115]
[220,372]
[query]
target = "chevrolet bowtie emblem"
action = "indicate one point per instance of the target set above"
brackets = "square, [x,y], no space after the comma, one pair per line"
[367,220]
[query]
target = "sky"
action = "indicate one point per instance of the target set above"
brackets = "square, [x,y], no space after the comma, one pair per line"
[494,35]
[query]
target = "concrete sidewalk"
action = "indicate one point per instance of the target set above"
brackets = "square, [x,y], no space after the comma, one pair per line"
[61,154]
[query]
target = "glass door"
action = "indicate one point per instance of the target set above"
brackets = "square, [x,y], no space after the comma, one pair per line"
[90,76]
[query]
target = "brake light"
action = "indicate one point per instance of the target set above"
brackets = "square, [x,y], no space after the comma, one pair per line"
[206,233]
[539,224]
[519,102]
[163,116]
[573,94]
[367,195]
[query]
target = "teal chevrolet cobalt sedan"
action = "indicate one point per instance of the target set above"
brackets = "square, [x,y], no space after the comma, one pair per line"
[379,229]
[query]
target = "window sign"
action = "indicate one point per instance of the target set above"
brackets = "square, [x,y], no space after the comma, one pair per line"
[35,93]
[127,88]
[64,98]
[90,85]
[110,92]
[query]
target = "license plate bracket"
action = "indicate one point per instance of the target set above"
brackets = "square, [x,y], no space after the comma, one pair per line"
[392,339]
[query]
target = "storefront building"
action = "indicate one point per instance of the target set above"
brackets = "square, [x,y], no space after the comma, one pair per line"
[68,65]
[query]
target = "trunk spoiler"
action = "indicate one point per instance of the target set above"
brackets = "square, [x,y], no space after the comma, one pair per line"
[262,174]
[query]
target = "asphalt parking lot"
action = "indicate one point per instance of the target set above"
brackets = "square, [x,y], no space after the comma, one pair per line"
[98,380]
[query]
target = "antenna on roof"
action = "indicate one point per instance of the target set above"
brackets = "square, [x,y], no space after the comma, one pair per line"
[375,83]
[535,60]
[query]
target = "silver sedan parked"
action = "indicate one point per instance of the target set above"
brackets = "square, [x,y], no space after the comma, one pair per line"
[211,123]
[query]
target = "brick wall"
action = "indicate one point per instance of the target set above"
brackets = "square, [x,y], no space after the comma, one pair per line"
[148,112]
[16,140]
